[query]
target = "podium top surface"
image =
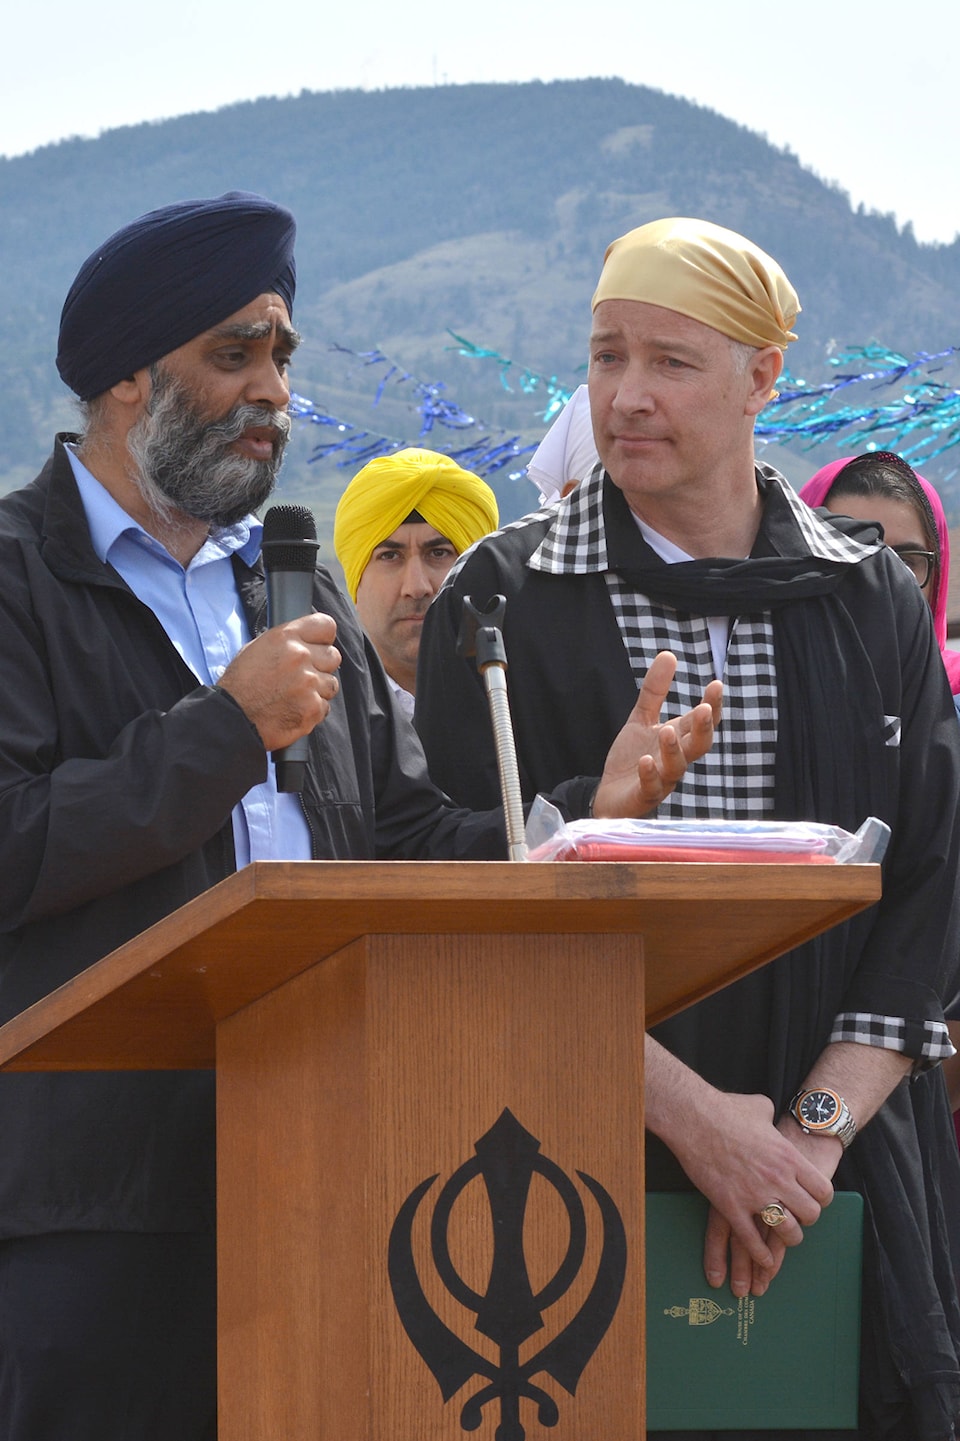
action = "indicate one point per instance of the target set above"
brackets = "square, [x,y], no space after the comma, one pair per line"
[155,1002]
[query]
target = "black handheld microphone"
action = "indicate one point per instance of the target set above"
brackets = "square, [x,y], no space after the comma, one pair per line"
[290,548]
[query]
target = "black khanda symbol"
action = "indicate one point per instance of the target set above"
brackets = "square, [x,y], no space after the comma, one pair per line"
[509,1312]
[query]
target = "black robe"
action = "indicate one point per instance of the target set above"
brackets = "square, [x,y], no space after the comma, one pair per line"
[850,652]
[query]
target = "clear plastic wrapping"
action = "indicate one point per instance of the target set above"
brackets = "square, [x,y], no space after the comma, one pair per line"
[550,838]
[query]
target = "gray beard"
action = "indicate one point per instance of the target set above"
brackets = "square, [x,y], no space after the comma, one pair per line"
[183,464]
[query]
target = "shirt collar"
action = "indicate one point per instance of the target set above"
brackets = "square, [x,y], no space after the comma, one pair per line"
[576,540]
[404,699]
[108,522]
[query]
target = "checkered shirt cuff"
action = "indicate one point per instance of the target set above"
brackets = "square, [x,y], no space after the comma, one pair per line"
[928,1042]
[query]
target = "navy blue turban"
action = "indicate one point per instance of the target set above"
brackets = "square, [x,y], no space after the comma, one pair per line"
[165,279]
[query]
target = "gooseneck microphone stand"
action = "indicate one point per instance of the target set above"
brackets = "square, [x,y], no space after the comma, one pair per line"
[480,636]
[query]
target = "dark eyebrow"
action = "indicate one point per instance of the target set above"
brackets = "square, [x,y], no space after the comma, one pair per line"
[259,330]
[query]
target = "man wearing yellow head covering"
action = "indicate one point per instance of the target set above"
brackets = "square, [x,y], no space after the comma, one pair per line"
[679,542]
[707,273]
[400,525]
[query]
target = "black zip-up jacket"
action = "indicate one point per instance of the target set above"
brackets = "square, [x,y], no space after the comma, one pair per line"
[118,776]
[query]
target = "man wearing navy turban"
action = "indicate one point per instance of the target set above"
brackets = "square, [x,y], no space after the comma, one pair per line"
[140,698]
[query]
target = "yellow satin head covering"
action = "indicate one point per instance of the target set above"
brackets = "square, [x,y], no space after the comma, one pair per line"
[707,273]
[456,503]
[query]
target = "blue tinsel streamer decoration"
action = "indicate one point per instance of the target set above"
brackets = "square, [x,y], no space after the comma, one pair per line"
[876,398]
[491,451]
[921,422]
[528,380]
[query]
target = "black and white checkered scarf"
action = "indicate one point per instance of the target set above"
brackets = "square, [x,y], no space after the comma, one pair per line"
[660,606]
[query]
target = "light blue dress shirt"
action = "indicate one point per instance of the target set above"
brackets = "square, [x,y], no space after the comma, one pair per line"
[199,608]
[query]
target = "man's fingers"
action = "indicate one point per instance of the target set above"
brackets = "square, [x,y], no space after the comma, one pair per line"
[713,697]
[675,751]
[655,689]
[744,1271]
[716,1245]
[746,1249]
[705,715]
[695,732]
[763,1275]
[648,758]
[673,758]
[804,1209]
[751,1266]
[656,684]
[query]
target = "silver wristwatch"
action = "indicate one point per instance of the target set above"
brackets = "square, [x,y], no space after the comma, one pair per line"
[822,1112]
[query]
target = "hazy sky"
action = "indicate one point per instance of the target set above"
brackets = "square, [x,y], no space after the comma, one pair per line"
[864,93]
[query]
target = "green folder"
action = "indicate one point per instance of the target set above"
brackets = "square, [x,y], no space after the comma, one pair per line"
[786,1360]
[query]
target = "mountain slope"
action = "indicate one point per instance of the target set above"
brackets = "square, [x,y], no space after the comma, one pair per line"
[480,209]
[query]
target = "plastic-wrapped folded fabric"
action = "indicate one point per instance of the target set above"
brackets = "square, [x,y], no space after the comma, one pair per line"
[730,842]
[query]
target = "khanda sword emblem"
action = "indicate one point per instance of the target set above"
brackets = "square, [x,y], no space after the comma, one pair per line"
[509,1313]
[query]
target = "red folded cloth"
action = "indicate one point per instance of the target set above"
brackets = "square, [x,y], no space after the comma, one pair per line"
[624,851]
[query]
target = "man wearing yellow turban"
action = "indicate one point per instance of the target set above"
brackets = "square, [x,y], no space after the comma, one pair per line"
[400,525]
[835,707]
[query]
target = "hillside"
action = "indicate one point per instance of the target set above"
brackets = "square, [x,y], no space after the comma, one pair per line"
[481,209]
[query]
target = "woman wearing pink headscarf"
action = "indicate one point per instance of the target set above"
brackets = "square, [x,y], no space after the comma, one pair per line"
[881,486]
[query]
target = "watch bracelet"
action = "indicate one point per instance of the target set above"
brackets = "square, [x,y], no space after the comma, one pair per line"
[845,1133]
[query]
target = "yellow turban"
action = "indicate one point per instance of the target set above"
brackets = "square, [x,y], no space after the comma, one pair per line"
[710,274]
[459,505]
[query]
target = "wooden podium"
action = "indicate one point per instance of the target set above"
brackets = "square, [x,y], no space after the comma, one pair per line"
[430,1121]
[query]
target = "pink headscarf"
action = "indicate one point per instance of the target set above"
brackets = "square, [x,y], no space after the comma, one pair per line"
[815,493]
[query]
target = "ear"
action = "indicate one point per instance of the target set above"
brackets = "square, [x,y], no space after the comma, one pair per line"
[134,390]
[763,370]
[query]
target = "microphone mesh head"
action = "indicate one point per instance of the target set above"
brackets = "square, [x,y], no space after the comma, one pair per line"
[289,538]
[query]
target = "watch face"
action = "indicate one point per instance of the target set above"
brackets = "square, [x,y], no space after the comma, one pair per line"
[818,1108]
